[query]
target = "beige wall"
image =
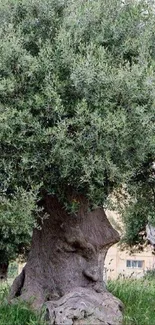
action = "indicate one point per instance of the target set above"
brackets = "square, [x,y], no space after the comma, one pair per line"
[20,267]
[116,260]
[116,263]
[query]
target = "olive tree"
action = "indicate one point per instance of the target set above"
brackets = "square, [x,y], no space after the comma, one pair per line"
[77,125]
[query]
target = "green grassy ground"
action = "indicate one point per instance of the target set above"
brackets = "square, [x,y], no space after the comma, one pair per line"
[18,314]
[138,297]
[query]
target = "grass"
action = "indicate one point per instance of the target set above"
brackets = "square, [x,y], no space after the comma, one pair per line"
[17,314]
[138,297]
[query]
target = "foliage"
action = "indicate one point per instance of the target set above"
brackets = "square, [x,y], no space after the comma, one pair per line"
[135,219]
[141,204]
[16,224]
[150,274]
[138,298]
[12,270]
[76,102]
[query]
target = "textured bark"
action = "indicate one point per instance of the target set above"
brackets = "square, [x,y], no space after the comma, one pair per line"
[84,306]
[3,271]
[67,253]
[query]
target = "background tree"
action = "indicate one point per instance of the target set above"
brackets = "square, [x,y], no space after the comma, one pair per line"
[77,123]
[16,225]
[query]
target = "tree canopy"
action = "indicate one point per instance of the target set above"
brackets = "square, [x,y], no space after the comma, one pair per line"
[76,105]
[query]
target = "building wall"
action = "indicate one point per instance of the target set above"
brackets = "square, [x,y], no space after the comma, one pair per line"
[116,260]
[20,267]
[116,264]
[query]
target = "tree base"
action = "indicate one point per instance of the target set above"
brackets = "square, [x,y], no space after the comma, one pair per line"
[65,266]
[84,306]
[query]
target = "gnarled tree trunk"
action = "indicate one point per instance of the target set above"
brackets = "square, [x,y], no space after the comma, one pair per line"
[65,267]
[3,271]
